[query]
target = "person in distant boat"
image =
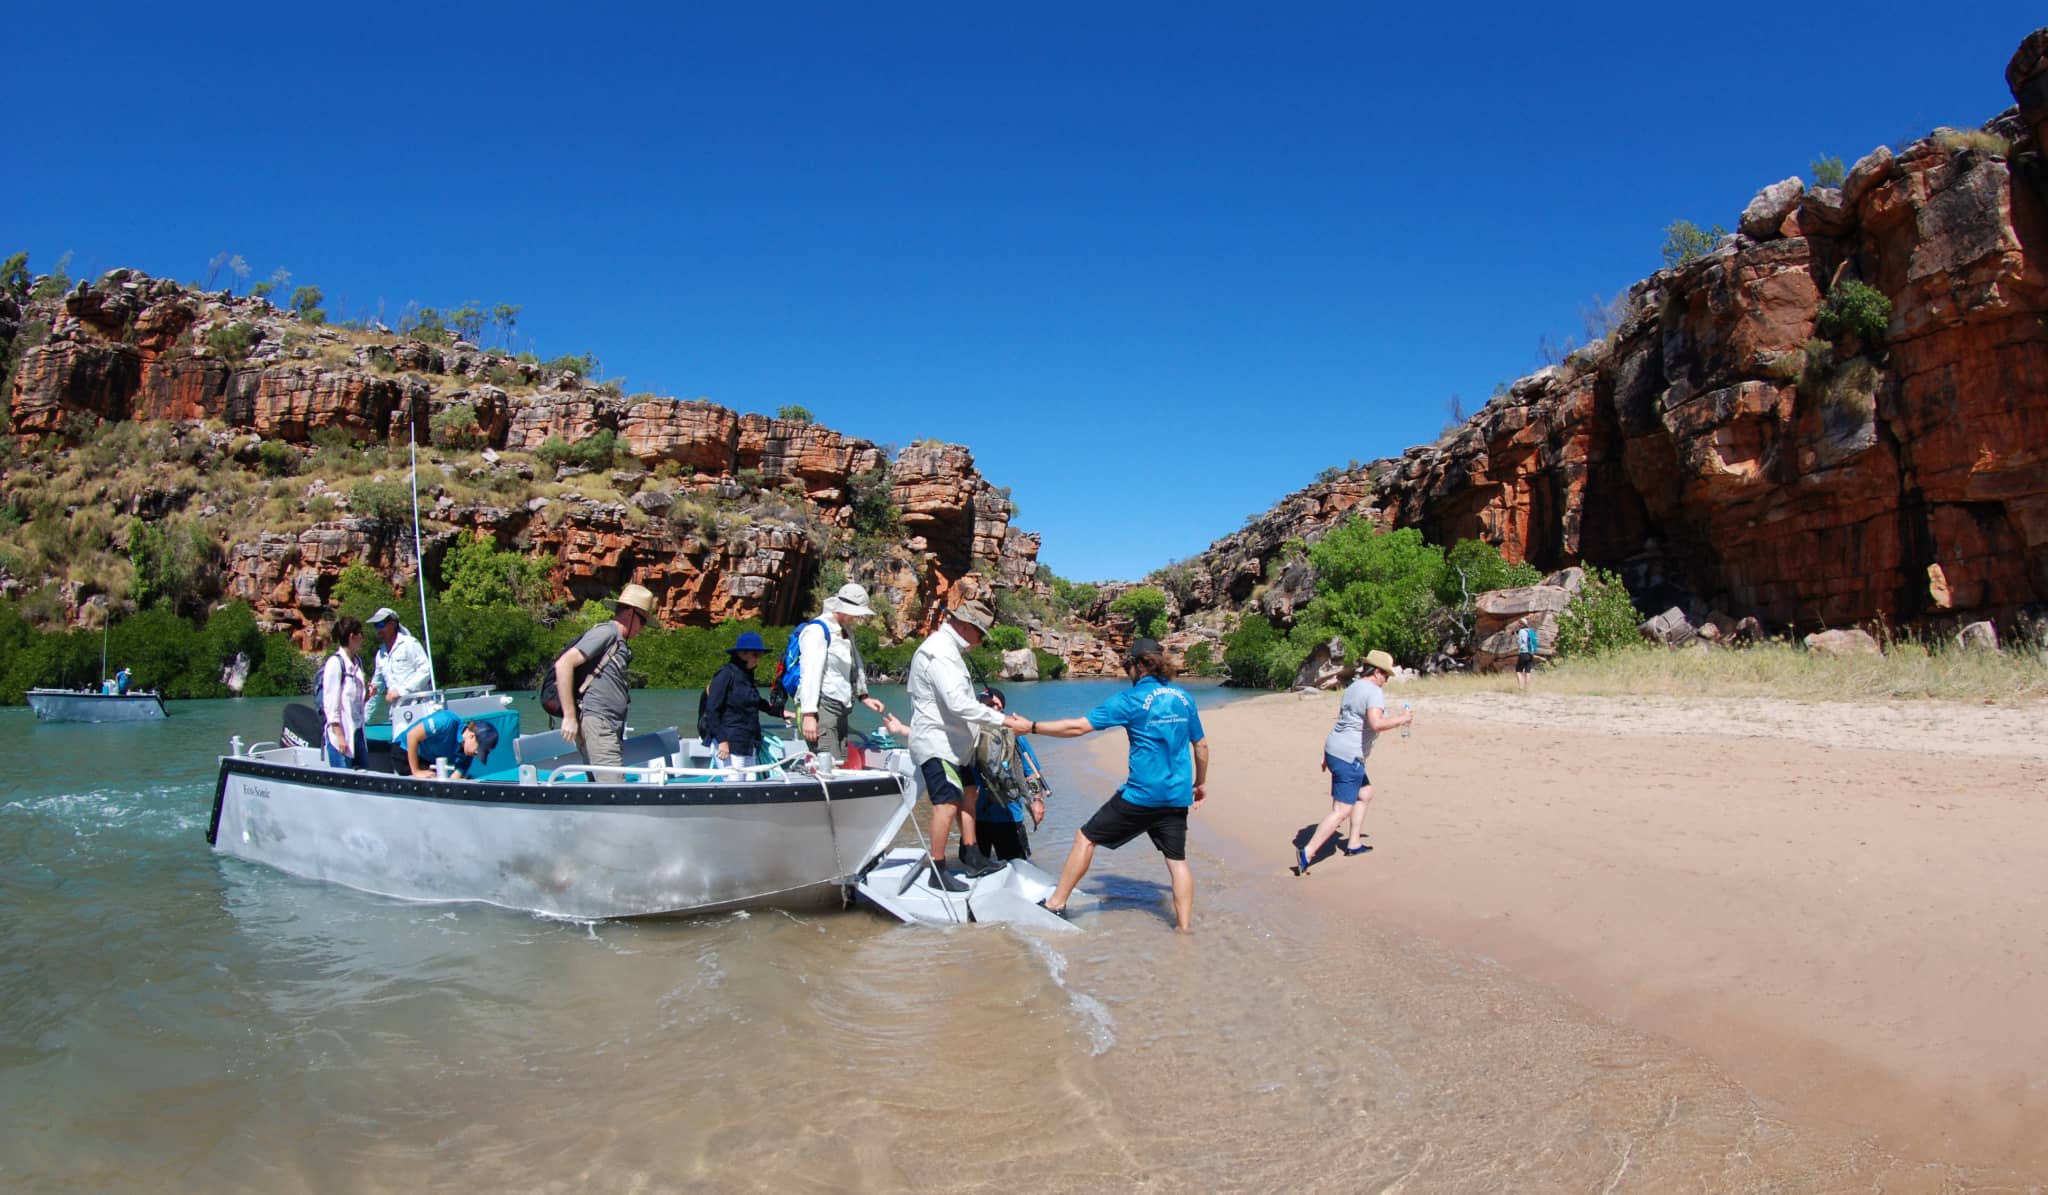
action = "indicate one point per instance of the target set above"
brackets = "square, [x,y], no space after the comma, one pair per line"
[944,722]
[401,668]
[121,683]
[1527,644]
[344,698]
[830,674]
[1169,769]
[442,735]
[1361,716]
[735,705]
[594,716]
[1010,787]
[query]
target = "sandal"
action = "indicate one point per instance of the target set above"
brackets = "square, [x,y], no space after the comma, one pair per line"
[1357,850]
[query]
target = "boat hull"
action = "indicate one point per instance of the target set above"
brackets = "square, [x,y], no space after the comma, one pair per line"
[59,705]
[584,851]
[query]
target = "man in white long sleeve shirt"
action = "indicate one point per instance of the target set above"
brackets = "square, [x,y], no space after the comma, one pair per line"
[945,720]
[830,674]
[402,669]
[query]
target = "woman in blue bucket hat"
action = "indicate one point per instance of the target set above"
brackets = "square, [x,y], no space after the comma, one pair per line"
[736,705]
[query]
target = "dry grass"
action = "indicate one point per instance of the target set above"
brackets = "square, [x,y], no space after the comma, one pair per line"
[1981,140]
[1909,671]
[1853,389]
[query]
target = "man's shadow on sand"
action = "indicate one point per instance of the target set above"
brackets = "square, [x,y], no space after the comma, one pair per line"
[1330,850]
[1150,895]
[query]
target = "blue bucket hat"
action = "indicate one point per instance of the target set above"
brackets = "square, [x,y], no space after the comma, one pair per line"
[750,641]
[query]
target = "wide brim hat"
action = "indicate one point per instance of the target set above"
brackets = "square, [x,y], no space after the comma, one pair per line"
[635,597]
[748,641]
[851,599]
[384,614]
[976,615]
[1380,660]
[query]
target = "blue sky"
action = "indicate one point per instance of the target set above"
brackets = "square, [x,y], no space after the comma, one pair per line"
[1157,264]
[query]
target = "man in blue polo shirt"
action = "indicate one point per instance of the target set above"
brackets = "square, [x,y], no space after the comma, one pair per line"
[441,735]
[1169,769]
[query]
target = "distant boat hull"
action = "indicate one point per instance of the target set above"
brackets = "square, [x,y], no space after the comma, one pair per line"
[64,705]
[578,850]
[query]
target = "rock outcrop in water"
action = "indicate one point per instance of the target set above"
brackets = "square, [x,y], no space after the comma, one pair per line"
[1721,450]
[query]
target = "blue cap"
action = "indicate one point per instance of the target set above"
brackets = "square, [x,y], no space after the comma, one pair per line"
[750,641]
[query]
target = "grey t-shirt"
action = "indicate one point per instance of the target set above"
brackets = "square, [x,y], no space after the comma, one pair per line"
[1351,739]
[606,697]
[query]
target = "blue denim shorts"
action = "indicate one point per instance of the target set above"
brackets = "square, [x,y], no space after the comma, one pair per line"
[1347,776]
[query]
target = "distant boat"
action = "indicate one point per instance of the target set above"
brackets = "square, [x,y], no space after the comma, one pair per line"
[74,705]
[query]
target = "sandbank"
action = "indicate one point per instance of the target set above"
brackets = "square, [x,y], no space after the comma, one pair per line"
[1841,906]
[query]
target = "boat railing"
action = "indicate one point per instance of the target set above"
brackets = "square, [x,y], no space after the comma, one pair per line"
[660,773]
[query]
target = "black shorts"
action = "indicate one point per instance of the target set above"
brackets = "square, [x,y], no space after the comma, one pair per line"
[1006,839]
[1525,662]
[1119,821]
[943,781]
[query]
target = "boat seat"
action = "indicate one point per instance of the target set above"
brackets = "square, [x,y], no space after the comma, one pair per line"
[549,749]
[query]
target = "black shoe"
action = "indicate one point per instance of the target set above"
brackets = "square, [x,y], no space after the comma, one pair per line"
[942,881]
[977,862]
[1060,912]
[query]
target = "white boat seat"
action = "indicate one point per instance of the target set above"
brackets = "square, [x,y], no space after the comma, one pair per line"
[550,750]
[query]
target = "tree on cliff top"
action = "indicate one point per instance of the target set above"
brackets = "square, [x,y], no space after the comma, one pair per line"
[1684,241]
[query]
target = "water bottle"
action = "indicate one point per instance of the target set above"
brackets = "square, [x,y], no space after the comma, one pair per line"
[1406,726]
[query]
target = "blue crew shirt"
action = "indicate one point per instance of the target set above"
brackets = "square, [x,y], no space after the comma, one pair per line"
[443,740]
[1161,722]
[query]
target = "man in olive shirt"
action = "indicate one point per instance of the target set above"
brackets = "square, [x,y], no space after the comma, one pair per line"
[594,709]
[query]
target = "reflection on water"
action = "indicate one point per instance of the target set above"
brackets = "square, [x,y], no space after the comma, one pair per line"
[177,1021]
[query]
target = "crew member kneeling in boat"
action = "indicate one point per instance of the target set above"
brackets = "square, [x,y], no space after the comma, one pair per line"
[1165,734]
[442,735]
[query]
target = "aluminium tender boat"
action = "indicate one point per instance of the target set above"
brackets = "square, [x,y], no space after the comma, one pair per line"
[85,705]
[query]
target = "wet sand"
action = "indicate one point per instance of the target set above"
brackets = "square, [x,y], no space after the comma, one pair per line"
[1840,907]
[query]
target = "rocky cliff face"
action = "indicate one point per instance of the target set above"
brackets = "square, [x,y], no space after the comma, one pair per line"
[722,515]
[1717,455]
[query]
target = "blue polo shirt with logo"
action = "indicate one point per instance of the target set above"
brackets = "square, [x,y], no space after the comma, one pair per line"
[1161,722]
[443,741]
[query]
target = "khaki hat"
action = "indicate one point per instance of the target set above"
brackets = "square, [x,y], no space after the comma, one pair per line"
[851,599]
[1380,660]
[976,615]
[384,614]
[637,597]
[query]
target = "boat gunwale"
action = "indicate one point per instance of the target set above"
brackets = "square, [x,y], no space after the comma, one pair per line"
[565,796]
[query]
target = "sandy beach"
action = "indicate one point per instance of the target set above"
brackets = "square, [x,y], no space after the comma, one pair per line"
[1840,906]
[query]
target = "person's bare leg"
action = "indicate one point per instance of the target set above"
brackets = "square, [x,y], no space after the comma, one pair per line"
[1357,828]
[1076,866]
[1183,894]
[967,837]
[942,825]
[1338,812]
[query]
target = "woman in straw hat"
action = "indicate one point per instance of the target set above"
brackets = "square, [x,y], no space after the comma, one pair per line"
[1361,716]
[594,709]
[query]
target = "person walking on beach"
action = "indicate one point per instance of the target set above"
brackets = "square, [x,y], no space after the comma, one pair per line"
[1011,786]
[344,698]
[734,704]
[1527,644]
[944,722]
[1169,769]
[830,674]
[594,714]
[401,668]
[1361,716]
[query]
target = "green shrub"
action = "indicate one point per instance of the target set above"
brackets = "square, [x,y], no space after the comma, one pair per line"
[1828,171]
[1600,619]
[382,361]
[1248,654]
[170,559]
[232,341]
[455,427]
[872,496]
[748,479]
[1007,638]
[1376,589]
[582,366]
[1685,241]
[795,414]
[594,451]
[1197,660]
[1857,309]
[386,502]
[1144,606]
[1073,597]
[476,572]
[1050,666]
[56,283]
[306,301]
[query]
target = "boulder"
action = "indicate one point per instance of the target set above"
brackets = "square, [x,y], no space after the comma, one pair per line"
[1747,631]
[1324,668]
[1978,635]
[1671,628]
[1020,663]
[1761,219]
[1869,170]
[1848,641]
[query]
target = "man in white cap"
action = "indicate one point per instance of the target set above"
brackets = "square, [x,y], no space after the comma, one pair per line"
[402,669]
[945,719]
[830,674]
[590,679]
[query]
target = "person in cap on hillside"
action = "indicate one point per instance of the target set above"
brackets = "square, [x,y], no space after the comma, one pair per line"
[442,735]
[1169,769]
[402,668]
[594,716]
[344,699]
[735,705]
[945,719]
[1011,786]
[830,673]
[1361,716]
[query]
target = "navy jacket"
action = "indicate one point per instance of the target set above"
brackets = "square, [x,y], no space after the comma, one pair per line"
[736,707]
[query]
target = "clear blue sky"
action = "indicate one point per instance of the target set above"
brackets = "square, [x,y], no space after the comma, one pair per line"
[1156,263]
